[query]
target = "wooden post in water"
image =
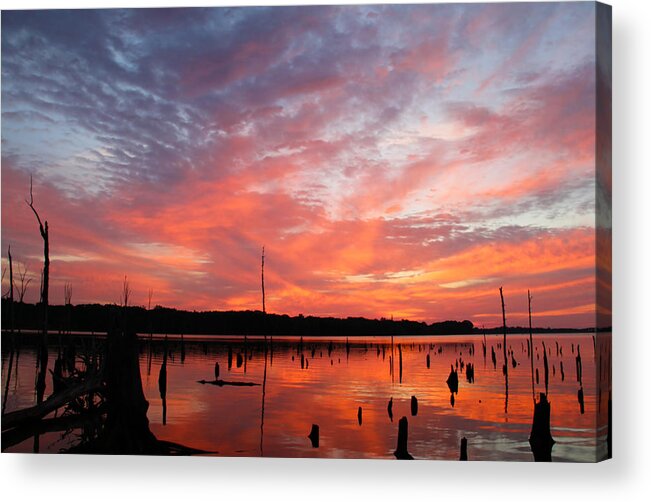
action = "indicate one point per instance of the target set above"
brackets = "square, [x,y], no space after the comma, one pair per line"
[264,310]
[506,365]
[464,449]
[541,440]
[533,391]
[546,368]
[414,406]
[609,437]
[314,436]
[400,356]
[11,296]
[162,382]
[401,452]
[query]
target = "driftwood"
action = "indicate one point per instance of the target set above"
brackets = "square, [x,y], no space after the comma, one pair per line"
[221,383]
[29,429]
[125,428]
[54,402]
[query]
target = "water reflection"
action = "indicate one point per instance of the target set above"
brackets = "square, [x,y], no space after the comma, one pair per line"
[264,404]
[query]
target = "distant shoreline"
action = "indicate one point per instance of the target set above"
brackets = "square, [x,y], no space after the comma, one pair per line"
[102,318]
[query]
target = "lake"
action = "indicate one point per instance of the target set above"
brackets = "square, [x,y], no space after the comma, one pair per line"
[326,381]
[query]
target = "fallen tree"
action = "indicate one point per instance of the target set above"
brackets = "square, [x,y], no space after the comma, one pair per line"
[124,428]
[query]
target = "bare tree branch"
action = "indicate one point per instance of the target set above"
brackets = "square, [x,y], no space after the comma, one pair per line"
[30,203]
[4,272]
[150,294]
[24,282]
[126,293]
[45,234]
[67,293]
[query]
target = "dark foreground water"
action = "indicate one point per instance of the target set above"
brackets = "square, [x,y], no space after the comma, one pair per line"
[325,381]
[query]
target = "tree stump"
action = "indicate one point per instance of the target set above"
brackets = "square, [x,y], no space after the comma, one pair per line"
[401,452]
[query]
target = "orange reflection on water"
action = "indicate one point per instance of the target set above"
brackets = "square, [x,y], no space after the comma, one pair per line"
[330,387]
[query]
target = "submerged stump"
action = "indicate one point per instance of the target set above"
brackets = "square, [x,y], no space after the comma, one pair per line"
[453,381]
[464,449]
[314,436]
[401,452]
[541,440]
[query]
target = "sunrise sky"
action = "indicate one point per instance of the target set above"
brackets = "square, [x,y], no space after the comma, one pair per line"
[399,161]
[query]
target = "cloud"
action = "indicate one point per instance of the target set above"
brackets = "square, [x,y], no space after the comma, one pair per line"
[357,144]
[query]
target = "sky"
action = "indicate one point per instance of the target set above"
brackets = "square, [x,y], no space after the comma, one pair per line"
[394,161]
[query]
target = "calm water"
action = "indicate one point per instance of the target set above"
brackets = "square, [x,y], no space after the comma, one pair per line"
[274,418]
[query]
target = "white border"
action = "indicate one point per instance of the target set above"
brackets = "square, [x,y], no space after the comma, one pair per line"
[58,477]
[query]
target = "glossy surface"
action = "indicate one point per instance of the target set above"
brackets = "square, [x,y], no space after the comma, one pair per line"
[274,418]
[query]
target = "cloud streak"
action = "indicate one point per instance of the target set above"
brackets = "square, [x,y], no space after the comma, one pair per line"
[394,160]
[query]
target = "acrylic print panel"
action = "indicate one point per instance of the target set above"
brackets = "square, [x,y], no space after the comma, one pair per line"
[343,232]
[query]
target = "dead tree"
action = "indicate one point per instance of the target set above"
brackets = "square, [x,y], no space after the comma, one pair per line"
[150,294]
[45,288]
[533,392]
[24,283]
[264,309]
[126,293]
[506,365]
[45,235]
[125,296]
[67,295]
[11,292]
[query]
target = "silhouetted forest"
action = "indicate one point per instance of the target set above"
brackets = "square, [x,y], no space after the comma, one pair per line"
[100,318]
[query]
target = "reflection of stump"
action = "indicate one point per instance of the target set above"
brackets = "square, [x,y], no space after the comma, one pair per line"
[390,409]
[401,452]
[126,430]
[470,373]
[581,401]
[541,440]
